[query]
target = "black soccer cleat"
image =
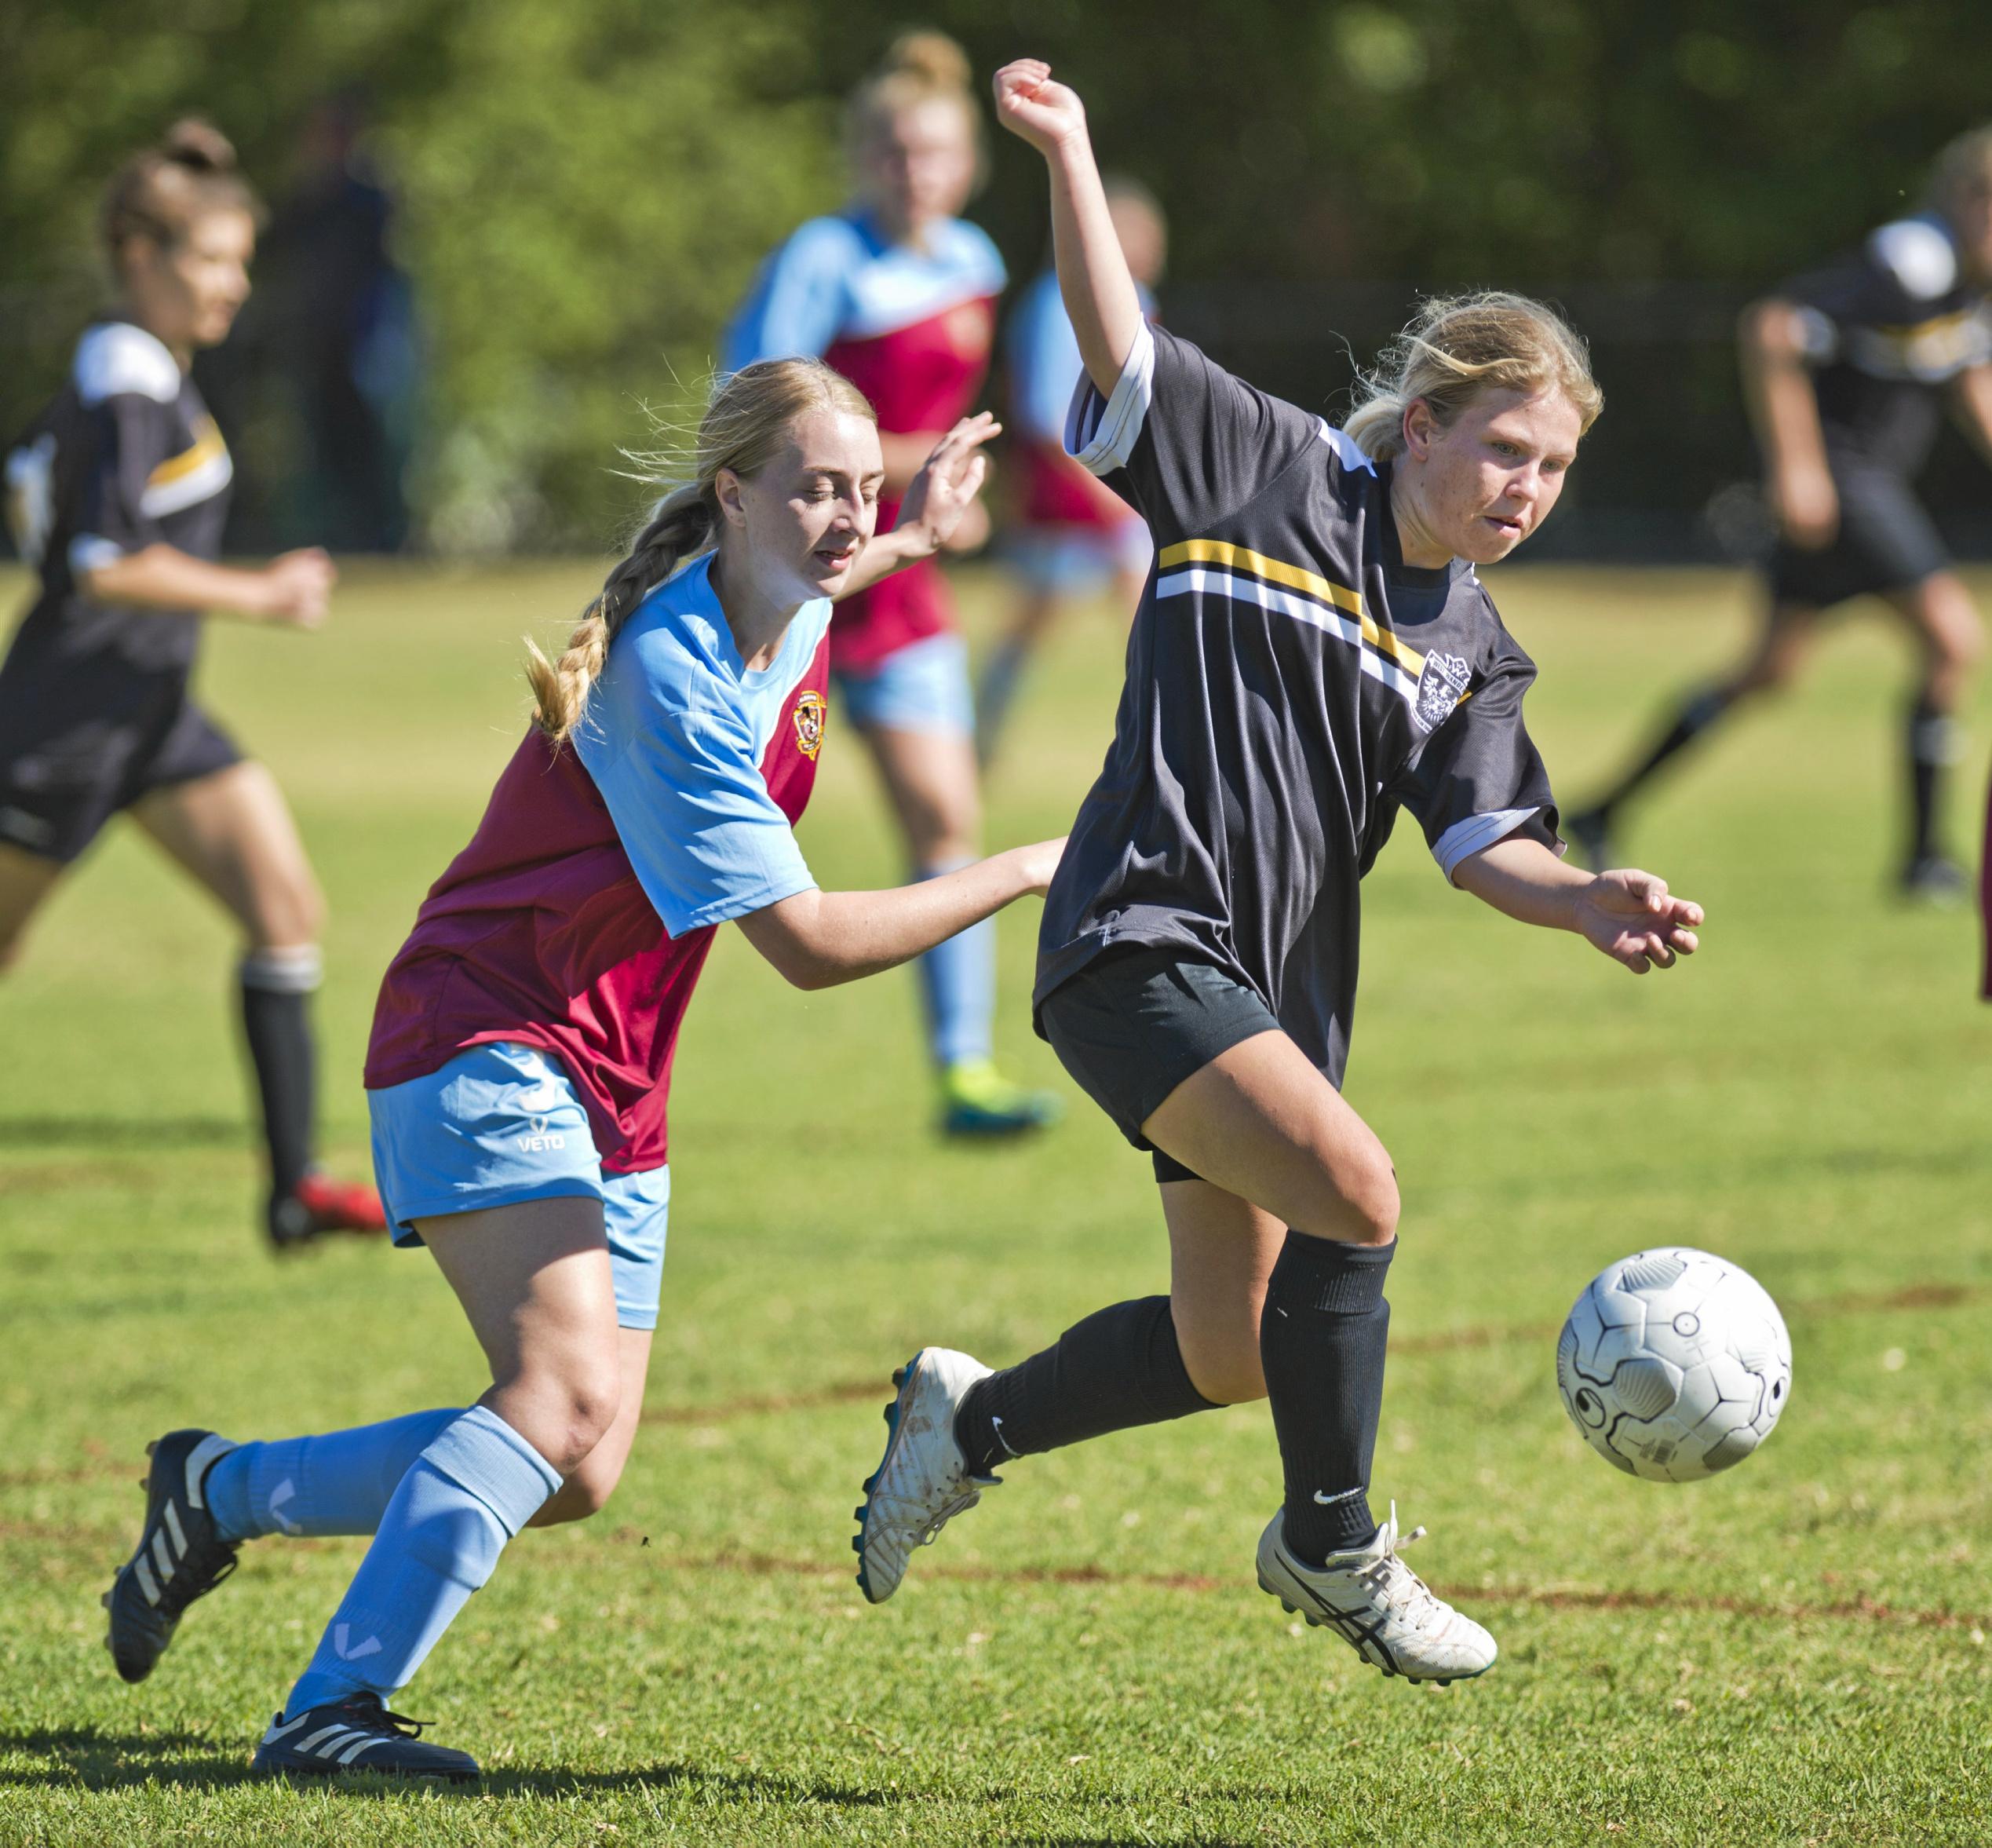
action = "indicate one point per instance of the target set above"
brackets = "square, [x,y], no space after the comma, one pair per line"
[181,1555]
[356,1736]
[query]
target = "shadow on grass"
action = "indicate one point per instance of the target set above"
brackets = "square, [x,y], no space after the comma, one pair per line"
[101,1760]
[41,1134]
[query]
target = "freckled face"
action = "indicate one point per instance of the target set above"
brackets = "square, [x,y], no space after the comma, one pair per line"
[1487,480]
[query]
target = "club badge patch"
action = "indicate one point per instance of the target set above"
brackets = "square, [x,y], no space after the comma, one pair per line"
[812,713]
[1441,687]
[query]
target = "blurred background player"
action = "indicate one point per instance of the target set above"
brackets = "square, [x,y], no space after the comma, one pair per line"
[118,494]
[1073,536]
[1847,372]
[899,294]
[520,1065]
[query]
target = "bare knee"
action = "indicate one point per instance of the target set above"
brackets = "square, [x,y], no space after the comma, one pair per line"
[585,1492]
[564,1406]
[1370,1202]
[1222,1359]
[287,912]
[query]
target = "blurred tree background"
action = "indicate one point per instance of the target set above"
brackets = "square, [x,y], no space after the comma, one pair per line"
[585,186]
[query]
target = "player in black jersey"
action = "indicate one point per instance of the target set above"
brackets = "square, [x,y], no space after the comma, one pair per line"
[118,494]
[1313,651]
[1847,372]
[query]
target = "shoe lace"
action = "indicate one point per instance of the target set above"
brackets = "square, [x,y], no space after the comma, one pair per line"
[198,1572]
[369,1714]
[958,1503]
[1400,1589]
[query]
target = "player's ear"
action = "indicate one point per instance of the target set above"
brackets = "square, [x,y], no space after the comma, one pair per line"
[1421,429]
[726,490]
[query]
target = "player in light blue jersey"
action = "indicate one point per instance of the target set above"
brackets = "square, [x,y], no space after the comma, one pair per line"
[899,293]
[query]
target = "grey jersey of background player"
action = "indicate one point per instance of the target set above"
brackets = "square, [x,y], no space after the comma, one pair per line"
[1291,684]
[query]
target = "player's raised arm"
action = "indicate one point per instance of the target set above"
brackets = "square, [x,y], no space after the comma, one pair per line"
[1092,274]
[937,499]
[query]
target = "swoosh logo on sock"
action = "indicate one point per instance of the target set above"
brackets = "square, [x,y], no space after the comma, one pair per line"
[1348,1495]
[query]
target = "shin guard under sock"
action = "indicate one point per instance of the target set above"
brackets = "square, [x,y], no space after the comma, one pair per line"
[338,1482]
[468,1493]
[1932,748]
[1119,1368]
[1321,1342]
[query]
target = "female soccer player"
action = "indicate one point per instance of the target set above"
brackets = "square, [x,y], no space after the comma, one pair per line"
[1314,651]
[1847,372]
[521,1055]
[118,495]
[899,294]
[1074,536]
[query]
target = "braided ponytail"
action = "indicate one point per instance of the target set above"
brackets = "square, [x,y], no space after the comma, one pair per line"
[743,429]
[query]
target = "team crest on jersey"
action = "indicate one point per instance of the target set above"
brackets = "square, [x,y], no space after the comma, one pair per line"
[1441,687]
[811,712]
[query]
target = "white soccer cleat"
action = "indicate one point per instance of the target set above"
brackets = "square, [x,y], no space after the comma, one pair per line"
[1376,1602]
[922,1481]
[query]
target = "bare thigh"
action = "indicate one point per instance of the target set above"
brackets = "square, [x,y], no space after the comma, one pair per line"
[25,880]
[587,1491]
[535,1279]
[930,777]
[233,832]
[1221,1254]
[1260,1122]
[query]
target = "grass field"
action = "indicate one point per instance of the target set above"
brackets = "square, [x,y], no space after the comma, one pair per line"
[1795,1654]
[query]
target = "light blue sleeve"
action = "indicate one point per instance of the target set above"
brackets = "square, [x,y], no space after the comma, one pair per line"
[685,789]
[800,298]
[1044,363]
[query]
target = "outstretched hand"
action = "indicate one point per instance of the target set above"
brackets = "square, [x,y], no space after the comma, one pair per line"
[1635,920]
[939,497]
[1030,106]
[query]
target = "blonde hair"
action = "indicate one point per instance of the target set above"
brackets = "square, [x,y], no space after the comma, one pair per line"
[918,67]
[161,192]
[1961,173]
[1461,345]
[745,425]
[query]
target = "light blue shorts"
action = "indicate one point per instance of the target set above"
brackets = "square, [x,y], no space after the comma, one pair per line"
[923,687]
[1079,561]
[503,1123]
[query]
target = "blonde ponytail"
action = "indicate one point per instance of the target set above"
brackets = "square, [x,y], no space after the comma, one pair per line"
[743,429]
[1461,345]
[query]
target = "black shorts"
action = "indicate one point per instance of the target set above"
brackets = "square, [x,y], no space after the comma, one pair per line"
[1886,542]
[1133,1024]
[58,791]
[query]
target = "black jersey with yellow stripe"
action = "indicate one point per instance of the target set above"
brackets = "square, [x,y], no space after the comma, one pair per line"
[1291,686]
[125,457]
[1888,327]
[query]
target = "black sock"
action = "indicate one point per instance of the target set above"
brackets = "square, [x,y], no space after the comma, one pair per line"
[1696,717]
[1932,744]
[1321,1342]
[1119,1368]
[276,992]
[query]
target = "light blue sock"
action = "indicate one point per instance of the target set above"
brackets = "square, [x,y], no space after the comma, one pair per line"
[471,1491]
[957,980]
[338,1482]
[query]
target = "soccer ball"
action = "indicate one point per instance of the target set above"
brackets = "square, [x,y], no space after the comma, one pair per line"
[1674,1364]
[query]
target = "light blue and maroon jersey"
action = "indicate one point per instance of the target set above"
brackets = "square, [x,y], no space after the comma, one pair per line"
[910,327]
[1042,354]
[580,915]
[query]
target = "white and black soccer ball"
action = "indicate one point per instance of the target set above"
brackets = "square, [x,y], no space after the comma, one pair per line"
[1674,1364]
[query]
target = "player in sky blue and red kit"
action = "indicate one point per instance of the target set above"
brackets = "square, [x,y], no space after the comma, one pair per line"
[118,494]
[519,1069]
[899,294]
[1069,536]
[1848,372]
[1314,653]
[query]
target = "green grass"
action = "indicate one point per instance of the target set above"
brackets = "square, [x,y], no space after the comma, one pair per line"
[1795,1653]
